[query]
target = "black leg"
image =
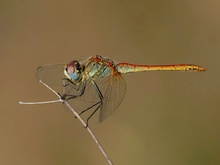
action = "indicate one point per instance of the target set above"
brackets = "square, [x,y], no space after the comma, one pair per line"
[89,108]
[81,87]
[98,90]
[101,98]
[87,121]
[70,83]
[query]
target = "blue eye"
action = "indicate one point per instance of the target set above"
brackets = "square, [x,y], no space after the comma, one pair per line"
[73,71]
[74,76]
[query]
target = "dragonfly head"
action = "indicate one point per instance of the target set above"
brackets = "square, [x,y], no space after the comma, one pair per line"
[73,71]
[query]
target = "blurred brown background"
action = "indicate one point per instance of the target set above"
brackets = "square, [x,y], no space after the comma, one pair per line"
[166,118]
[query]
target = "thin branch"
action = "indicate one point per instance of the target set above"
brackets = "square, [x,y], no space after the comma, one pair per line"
[77,116]
[42,102]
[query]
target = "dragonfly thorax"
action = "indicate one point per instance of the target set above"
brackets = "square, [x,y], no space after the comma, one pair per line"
[98,68]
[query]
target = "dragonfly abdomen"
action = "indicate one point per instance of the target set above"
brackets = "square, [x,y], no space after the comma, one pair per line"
[130,68]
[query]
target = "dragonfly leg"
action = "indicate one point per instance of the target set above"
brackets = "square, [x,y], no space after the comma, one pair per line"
[100,102]
[87,120]
[81,88]
[90,107]
[98,90]
[68,82]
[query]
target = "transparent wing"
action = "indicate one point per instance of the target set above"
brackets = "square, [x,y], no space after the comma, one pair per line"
[113,89]
[51,74]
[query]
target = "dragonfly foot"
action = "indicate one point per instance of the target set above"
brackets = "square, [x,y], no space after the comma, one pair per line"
[61,97]
[87,123]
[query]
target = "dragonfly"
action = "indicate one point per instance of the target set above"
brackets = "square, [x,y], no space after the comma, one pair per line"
[96,82]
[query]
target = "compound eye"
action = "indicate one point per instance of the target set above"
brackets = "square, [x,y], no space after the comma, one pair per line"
[73,70]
